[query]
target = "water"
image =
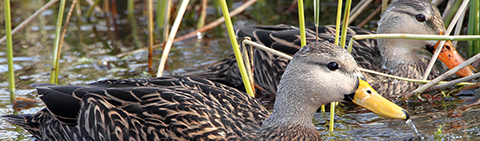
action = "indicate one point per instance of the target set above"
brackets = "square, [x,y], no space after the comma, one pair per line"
[77,70]
[410,123]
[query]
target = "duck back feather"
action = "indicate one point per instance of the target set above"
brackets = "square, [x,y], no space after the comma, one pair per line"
[166,108]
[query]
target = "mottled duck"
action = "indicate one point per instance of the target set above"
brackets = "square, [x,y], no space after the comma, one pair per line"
[184,108]
[399,57]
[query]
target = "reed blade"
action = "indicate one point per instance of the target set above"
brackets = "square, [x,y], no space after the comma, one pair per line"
[56,47]
[474,27]
[236,50]
[8,32]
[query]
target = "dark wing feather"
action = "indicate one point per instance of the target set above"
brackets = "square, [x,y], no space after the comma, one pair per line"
[168,108]
[57,98]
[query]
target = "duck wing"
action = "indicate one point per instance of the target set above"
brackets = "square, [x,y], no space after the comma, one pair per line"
[170,108]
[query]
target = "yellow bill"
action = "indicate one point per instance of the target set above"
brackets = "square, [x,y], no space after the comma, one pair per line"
[368,98]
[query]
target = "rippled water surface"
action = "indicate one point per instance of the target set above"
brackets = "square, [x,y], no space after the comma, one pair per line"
[86,59]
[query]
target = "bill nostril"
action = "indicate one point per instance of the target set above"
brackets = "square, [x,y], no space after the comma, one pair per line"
[448,48]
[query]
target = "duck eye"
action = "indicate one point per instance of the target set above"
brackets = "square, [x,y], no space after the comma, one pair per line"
[420,17]
[332,66]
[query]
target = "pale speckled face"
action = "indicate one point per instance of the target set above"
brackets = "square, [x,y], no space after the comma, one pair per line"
[321,73]
[413,17]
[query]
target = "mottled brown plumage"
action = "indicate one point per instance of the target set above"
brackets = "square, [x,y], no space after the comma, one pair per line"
[184,108]
[399,57]
[142,109]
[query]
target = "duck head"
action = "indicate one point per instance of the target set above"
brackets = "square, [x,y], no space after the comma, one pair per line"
[321,73]
[415,17]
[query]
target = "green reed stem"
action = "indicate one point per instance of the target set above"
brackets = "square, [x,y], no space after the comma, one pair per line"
[160,14]
[55,56]
[449,16]
[133,22]
[345,23]
[338,21]
[301,17]
[8,33]
[474,27]
[236,50]
[332,117]
[62,35]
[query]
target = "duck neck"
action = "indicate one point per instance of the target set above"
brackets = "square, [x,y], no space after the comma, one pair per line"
[291,110]
[397,52]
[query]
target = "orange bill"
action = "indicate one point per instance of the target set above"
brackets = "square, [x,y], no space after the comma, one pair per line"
[450,57]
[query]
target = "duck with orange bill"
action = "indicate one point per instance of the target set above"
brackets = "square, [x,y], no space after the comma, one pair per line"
[400,57]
